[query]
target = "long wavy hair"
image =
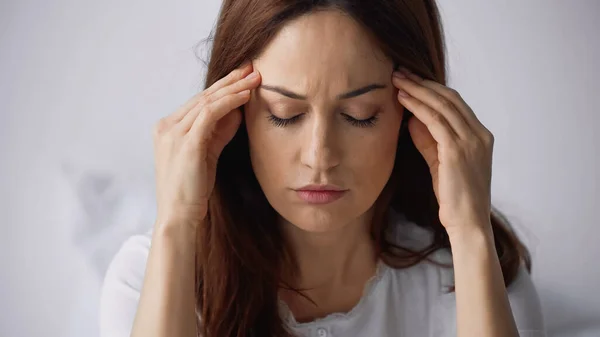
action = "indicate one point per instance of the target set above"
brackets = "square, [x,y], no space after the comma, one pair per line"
[241,250]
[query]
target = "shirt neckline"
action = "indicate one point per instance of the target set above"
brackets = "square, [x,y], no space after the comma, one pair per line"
[369,288]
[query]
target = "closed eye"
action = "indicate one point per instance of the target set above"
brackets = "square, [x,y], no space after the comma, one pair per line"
[283,122]
[361,123]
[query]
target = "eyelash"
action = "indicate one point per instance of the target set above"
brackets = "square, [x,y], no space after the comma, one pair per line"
[361,123]
[282,122]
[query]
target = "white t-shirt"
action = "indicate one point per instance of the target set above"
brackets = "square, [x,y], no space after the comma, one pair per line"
[410,302]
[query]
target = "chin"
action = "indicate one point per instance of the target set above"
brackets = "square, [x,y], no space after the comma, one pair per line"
[318,219]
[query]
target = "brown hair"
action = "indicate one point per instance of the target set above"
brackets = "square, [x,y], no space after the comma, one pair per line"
[241,251]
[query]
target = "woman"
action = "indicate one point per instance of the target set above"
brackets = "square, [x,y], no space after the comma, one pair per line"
[349,199]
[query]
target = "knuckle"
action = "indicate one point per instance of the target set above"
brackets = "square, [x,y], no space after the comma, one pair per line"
[207,99]
[438,117]
[445,103]
[488,138]
[452,92]
[207,109]
[160,126]
[476,147]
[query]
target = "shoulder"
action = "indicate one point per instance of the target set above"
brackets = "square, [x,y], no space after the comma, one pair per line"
[129,264]
[122,285]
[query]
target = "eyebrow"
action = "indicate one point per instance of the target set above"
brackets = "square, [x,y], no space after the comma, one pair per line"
[353,93]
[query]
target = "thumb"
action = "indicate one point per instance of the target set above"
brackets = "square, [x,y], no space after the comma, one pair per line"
[424,141]
[226,128]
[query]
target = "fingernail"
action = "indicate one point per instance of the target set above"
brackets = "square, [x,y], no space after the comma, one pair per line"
[402,93]
[399,74]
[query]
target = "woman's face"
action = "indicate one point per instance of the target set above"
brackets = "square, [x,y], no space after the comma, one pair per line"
[303,129]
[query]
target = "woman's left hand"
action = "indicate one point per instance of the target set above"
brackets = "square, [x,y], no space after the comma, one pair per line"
[457,148]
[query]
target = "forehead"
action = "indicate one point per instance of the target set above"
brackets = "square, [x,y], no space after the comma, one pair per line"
[323,53]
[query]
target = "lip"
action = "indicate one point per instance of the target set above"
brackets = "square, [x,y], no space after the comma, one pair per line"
[327,187]
[320,194]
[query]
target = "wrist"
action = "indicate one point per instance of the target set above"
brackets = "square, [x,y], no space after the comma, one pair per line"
[471,242]
[470,230]
[181,231]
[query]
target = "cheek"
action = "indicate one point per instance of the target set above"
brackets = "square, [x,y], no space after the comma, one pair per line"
[373,157]
[267,156]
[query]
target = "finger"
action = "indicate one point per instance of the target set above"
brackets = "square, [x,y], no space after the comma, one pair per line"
[213,112]
[436,122]
[249,82]
[453,96]
[436,101]
[423,141]
[233,76]
[185,108]
[236,87]
[224,130]
[462,107]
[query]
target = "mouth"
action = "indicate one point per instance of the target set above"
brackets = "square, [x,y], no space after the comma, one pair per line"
[325,187]
[320,194]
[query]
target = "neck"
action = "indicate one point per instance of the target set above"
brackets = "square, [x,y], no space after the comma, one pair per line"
[333,258]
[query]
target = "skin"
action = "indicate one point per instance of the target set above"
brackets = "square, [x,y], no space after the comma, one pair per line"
[334,253]
[322,56]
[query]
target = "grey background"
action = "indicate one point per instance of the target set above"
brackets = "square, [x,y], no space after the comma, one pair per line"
[82,83]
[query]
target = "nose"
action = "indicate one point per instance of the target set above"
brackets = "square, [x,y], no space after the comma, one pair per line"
[320,149]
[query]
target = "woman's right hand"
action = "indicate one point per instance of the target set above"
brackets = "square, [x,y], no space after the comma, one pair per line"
[188,143]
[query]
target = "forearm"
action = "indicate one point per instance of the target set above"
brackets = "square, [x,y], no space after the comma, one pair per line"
[482,303]
[167,302]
